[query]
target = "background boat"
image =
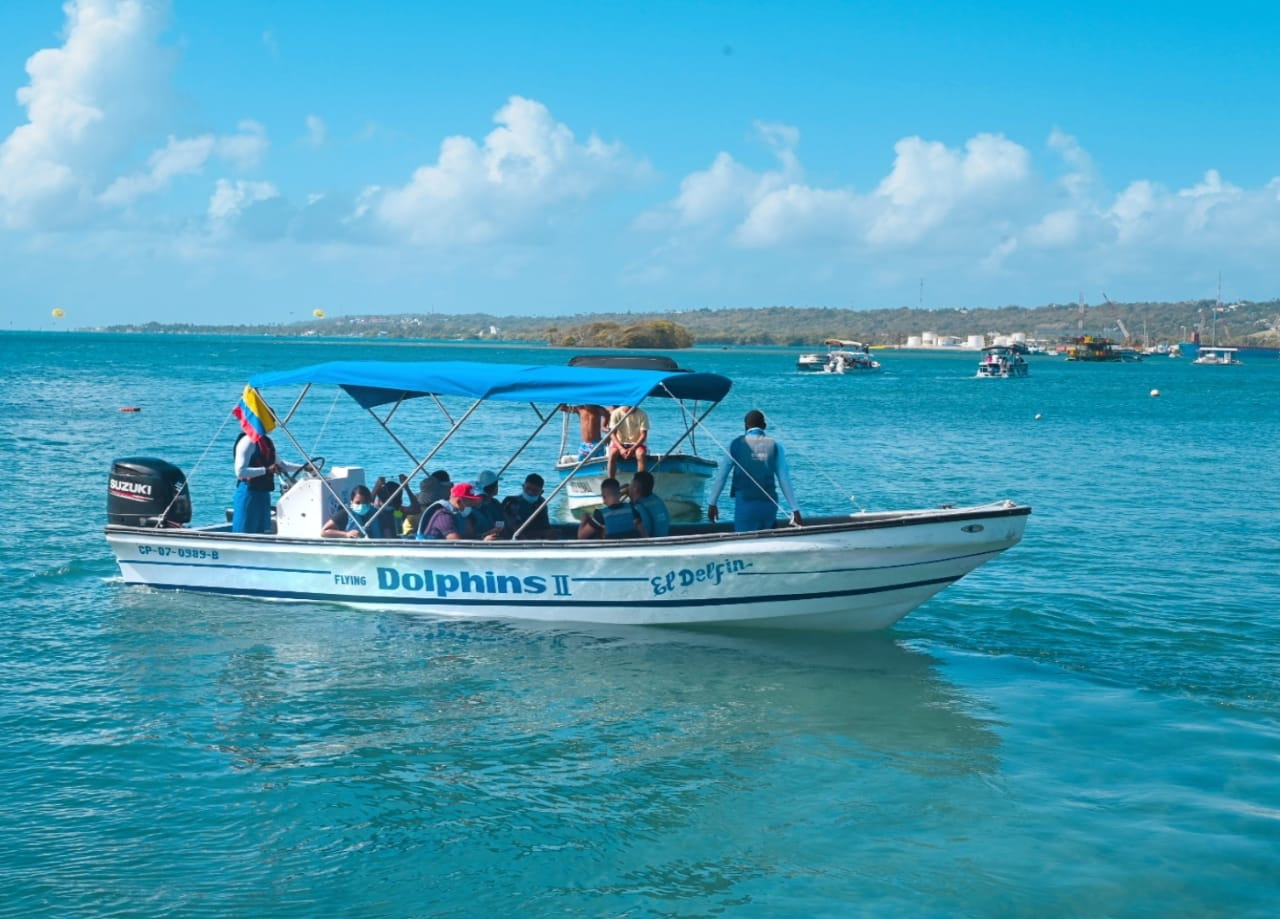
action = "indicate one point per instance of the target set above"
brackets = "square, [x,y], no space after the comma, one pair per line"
[844,356]
[1001,362]
[681,477]
[1208,354]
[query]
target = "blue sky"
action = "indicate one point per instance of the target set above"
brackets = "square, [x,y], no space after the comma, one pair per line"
[251,162]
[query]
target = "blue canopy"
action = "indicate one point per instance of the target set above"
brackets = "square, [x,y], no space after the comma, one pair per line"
[374,383]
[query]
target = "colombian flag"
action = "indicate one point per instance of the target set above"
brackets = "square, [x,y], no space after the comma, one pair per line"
[254,415]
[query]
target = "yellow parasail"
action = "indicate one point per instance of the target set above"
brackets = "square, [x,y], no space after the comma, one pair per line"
[57,312]
[319,314]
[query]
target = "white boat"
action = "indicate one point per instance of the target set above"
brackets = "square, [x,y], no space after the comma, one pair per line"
[1212,355]
[845,356]
[680,478]
[844,573]
[1000,362]
[680,474]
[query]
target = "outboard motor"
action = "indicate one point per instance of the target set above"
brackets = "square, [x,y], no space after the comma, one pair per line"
[146,492]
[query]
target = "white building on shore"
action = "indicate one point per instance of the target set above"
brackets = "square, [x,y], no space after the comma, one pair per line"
[929,340]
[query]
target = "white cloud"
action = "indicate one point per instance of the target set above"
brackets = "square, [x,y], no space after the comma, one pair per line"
[726,191]
[245,149]
[799,212]
[230,199]
[87,102]
[178,157]
[186,157]
[1082,177]
[977,212]
[930,182]
[1056,229]
[524,172]
[317,132]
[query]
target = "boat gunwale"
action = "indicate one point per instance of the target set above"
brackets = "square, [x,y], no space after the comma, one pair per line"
[854,523]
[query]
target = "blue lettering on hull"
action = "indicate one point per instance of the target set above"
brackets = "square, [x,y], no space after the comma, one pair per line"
[488,583]
[711,573]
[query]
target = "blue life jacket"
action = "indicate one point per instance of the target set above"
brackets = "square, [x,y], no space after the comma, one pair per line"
[654,516]
[755,456]
[618,521]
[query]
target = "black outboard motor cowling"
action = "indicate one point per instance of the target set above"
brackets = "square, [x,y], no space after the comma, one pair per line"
[147,492]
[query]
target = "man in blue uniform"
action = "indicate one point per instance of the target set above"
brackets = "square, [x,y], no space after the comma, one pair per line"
[759,466]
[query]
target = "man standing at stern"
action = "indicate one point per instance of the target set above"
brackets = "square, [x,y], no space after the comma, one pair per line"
[759,467]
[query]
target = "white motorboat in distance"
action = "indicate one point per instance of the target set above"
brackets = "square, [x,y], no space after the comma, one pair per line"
[844,356]
[859,572]
[1210,354]
[1001,362]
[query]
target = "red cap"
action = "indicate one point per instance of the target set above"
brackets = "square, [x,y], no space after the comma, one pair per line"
[464,490]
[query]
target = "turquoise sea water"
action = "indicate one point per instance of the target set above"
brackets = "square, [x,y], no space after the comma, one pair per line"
[1088,726]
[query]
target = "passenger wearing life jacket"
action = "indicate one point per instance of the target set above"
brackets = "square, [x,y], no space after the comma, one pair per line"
[654,518]
[450,518]
[488,513]
[615,520]
[530,506]
[759,466]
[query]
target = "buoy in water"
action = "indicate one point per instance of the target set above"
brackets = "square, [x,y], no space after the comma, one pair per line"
[130,408]
[1037,416]
[1155,394]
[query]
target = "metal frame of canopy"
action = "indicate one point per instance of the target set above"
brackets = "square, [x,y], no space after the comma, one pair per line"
[373,384]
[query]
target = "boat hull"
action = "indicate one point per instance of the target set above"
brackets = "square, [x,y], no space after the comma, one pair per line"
[838,362]
[996,372]
[681,479]
[840,574]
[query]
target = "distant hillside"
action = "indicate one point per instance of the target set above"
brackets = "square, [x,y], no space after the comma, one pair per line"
[1242,323]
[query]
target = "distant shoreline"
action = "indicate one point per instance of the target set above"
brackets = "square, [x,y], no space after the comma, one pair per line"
[1236,324]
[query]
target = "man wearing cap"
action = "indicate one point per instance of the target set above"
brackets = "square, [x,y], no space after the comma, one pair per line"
[449,518]
[488,513]
[759,467]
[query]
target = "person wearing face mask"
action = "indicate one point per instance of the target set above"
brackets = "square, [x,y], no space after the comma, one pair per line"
[354,525]
[528,505]
[450,518]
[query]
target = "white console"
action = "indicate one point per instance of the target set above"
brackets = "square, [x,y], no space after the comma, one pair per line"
[303,509]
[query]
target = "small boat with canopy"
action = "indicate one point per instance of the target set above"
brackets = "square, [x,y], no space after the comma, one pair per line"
[844,356]
[835,572]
